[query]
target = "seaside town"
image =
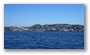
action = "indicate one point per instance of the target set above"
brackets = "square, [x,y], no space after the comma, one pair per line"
[47,27]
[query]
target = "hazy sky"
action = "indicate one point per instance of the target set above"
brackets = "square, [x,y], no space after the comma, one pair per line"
[30,14]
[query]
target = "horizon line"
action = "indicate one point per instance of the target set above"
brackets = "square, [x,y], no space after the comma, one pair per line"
[44,24]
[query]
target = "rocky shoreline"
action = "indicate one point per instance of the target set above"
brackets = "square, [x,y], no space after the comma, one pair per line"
[47,27]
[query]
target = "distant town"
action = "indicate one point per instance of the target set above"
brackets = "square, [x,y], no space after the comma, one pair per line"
[47,27]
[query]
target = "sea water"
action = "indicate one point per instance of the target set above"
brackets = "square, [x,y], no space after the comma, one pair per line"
[43,40]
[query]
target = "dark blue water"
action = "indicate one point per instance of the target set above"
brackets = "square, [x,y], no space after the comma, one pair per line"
[43,40]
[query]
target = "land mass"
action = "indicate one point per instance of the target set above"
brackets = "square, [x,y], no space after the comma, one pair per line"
[47,27]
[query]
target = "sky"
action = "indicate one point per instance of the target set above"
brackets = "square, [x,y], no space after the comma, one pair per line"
[31,14]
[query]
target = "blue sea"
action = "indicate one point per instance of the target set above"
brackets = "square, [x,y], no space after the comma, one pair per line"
[43,40]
